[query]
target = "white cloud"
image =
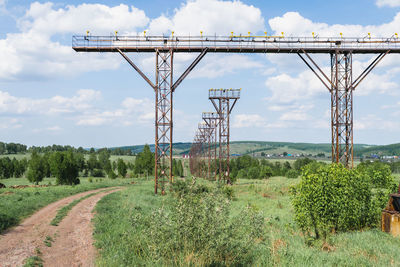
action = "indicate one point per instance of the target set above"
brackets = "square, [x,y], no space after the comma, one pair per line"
[211,17]
[389,3]
[219,65]
[293,24]
[374,122]
[248,121]
[48,106]
[286,89]
[131,111]
[32,53]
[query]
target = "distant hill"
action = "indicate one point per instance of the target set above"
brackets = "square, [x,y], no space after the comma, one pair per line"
[386,150]
[258,147]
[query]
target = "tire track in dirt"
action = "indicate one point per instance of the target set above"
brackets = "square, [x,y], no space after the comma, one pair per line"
[20,242]
[73,245]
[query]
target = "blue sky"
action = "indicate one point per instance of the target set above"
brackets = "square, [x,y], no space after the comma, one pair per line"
[50,94]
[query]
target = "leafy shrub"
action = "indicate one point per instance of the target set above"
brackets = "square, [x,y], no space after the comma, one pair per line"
[97,173]
[253,173]
[332,198]
[379,173]
[300,163]
[292,174]
[197,229]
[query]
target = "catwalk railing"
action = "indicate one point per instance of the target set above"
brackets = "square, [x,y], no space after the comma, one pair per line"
[245,44]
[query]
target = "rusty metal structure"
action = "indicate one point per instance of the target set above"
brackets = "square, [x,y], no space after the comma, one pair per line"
[340,84]
[223,101]
[390,219]
[212,121]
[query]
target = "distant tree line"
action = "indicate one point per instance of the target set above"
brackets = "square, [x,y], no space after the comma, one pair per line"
[252,168]
[67,166]
[12,148]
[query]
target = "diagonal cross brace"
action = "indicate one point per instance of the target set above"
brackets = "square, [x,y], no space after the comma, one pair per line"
[189,69]
[327,80]
[136,68]
[355,83]
[369,69]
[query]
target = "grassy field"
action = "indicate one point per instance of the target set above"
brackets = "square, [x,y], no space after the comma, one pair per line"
[16,204]
[286,245]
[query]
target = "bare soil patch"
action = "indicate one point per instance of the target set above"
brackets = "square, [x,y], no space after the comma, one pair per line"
[23,241]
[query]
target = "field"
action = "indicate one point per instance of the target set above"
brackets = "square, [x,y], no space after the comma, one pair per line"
[285,244]
[17,204]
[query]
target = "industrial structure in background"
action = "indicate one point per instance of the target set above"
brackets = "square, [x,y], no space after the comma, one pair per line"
[340,84]
[223,101]
[203,160]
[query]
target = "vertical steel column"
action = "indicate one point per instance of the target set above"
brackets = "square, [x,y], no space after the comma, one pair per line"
[164,123]
[342,108]
[224,139]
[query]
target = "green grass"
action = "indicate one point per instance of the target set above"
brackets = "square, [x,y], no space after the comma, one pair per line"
[287,246]
[61,213]
[34,261]
[17,204]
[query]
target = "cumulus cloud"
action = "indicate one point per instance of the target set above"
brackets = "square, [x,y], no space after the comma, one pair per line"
[211,17]
[389,3]
[248,120]
[292,23]
[33,52]
[287,89]
[48,106]
[218,65]
[131,111]
[374,122]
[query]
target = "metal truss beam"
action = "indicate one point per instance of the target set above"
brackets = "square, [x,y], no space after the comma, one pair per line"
[341,87]
[163,88]
[137,69]
[342,108]
[190,68]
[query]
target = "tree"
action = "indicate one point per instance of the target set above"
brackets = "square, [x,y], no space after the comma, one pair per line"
[122,168]
[144,162]
[92,161]
[104,160]
[35,169]
[253,173]
[265,172]
[64,167]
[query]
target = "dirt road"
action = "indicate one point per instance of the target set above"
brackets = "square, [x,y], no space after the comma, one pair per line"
[72,243]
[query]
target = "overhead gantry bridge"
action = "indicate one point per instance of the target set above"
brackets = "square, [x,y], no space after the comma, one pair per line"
[340,82]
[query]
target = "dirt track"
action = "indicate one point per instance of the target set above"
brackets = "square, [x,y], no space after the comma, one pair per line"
[73,241]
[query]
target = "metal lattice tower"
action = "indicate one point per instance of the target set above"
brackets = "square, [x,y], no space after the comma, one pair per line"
[226,99]
[212,120]
[341,86]
[342,108]
[163,144]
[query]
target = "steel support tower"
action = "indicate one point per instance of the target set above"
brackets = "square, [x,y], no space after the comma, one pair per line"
[212,120]
[341,86]
[224,100]
[164,88]
[340,49]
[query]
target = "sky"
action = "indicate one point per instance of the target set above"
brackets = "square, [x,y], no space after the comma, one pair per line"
[50,94]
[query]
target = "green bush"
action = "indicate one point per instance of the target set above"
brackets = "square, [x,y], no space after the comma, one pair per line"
[198,230]
[292,174]
[379,173]
[332,198]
